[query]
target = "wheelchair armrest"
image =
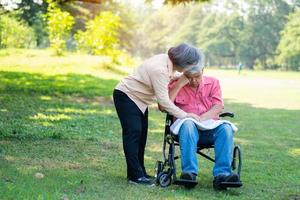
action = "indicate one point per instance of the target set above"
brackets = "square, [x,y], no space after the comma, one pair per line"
[223,114]
[226,114]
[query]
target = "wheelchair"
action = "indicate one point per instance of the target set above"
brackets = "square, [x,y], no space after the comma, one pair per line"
[165,171]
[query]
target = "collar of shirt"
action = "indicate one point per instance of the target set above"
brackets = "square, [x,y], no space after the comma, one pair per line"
[205,81]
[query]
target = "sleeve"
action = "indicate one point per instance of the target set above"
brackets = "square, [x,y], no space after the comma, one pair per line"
[171,84]
[160,83]
[216,94]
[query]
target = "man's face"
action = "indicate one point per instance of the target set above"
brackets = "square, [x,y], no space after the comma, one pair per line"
[195,78]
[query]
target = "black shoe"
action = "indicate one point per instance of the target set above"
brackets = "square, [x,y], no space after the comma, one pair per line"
[218,180]
[188,176]
[149,176]
[142,181]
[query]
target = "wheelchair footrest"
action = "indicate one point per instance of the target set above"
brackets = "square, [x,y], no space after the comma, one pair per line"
[185,182]
[231,184]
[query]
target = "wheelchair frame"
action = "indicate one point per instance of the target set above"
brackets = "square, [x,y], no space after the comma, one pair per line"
[165,171]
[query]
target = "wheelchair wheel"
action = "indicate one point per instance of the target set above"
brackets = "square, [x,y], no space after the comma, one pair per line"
[237,158]
[164,180]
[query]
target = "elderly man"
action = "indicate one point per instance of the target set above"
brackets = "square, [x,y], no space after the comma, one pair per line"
[195,93]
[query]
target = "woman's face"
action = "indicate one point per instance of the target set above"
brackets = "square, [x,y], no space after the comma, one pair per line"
[195,78]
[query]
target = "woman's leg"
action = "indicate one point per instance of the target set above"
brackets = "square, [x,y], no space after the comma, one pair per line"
[143,140]
[131,121]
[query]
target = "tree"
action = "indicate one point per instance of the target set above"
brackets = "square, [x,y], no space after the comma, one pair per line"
[263,23]
[289,48]
[101,35]
[191,26]
[158,29]
[10,5]
[249,36]
[220,39]
[59,26]
[165,1]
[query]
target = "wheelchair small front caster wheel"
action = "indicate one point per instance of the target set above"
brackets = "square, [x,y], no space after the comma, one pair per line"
[164,180]
[158,170]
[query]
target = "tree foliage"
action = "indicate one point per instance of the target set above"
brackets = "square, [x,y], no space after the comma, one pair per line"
[59,25]
[158,30]
[229,32]
[221,38]
[250,36]
[289,46]
[15,33]
[101,35]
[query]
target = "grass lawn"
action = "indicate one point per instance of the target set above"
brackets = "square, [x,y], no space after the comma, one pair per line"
[57,118]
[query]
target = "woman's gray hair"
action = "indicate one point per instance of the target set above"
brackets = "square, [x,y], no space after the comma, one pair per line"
[185,55]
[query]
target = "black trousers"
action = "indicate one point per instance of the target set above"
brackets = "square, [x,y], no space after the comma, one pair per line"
[134,132]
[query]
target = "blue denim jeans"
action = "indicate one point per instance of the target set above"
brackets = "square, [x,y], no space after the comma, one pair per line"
[221,137]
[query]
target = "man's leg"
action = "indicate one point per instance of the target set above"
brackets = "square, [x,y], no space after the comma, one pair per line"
[188,138]
[223,141]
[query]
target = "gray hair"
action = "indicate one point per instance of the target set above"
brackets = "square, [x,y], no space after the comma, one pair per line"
[199,66]
[185,55]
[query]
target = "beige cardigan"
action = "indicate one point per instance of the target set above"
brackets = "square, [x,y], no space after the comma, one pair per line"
[151,80]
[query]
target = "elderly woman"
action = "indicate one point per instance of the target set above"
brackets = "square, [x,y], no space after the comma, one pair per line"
[135,92]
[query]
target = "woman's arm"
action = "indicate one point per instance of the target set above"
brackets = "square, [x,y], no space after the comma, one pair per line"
[181,82]
[160,81]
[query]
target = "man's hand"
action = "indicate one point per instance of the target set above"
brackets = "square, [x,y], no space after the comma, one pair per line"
[196,117]
[183,80]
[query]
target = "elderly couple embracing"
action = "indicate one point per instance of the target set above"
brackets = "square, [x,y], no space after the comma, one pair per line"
[191,95]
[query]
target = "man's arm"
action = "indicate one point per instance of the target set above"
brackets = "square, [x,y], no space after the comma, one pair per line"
[218,104]
[214,112]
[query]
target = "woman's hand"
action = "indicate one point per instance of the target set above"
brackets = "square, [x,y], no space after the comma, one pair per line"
[161,108]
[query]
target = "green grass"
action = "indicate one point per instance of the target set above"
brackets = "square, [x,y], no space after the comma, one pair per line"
[57,118]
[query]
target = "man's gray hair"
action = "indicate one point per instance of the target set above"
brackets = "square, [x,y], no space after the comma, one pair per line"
[197,68]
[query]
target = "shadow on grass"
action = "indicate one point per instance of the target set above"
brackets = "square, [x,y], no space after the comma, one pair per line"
[35,117]
[69,84]
[73,140]
[36,106]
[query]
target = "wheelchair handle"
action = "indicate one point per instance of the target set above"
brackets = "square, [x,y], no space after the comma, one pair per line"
[227,114]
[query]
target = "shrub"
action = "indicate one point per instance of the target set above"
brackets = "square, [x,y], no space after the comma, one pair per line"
[15,33]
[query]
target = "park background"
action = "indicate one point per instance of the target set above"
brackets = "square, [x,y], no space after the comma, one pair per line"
[60,137]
